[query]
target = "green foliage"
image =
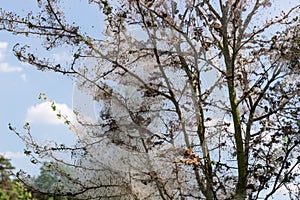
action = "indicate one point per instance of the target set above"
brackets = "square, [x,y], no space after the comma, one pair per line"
[27,152]
[59,115]
[46,179]
[11,189]
[43,96]
[20,192]
[48,182]
[3,196]
[53,106]
[5,172]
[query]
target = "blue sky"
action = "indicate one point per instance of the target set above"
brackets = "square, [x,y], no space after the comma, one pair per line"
[22,83]
[20,87]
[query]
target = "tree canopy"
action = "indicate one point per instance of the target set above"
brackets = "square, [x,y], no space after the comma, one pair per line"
[195,99]
[11,189]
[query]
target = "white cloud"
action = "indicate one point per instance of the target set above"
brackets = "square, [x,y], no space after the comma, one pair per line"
[43,114]
[3,47]
[4,67]
[11,155]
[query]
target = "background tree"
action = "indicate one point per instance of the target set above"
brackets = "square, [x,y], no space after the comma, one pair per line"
[201,102]
[11,189]
[48,182]
[5,173]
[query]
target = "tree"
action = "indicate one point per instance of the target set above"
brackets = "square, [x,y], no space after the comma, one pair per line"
[5,166]
[5,172]
[197,99]
[48,182]
[11,189]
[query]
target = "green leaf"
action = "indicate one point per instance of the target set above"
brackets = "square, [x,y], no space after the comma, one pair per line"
[10,127]
[53,106]
[33,161]
[42,95]
[285,139]
[26,126]
[104,2]
[27,152]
